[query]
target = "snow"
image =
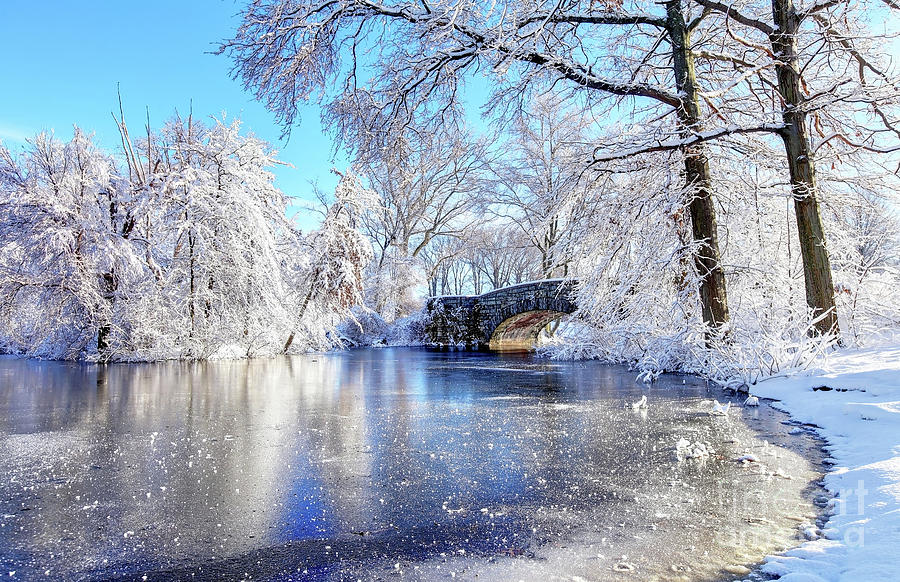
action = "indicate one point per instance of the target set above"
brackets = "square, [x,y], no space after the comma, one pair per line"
[853,400]
[188,256]
[685,449]
[719,409]
[508,287]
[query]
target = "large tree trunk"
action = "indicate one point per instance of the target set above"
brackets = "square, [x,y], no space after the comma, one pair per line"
[816,264]
[713,295]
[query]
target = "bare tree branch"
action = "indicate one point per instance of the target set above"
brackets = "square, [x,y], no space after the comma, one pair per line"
[684,142]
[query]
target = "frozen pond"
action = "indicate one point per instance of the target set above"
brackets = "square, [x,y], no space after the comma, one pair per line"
[387,464]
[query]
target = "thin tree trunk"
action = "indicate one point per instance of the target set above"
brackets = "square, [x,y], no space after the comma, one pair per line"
[288,343]
[713,295]
[816,263]
[303,306]
[111,280]
[192,289]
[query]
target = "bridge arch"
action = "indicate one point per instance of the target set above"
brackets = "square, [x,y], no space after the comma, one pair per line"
[509,317]
[521,330]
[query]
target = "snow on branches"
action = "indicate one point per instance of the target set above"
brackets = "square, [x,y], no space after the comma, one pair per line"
[188,254]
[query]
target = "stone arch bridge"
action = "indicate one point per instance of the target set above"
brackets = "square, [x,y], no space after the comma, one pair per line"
[509,317]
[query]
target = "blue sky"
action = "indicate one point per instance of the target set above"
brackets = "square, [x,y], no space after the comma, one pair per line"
[63,60]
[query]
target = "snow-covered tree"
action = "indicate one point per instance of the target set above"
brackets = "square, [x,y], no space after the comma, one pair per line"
[543,183]
[330,278]
[222,241]
[67,250]
[813,70]
[428,187]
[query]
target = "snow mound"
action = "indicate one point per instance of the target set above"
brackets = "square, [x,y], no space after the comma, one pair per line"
[685,449]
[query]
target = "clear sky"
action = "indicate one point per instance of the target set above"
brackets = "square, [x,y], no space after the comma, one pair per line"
[62,61]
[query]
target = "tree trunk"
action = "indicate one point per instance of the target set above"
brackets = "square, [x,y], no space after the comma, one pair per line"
[110,280]
[816,264]
[287,344]
[104,331]
[713,295]
[192,284]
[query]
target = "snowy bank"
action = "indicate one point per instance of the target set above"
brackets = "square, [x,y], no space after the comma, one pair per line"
[854,401]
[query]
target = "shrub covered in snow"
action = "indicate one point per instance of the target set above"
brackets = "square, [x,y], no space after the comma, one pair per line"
[364,327]
[367,328]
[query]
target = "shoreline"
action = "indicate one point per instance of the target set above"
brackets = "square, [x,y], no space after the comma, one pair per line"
[852,402]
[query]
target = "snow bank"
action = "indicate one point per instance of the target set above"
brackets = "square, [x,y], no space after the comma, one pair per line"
[853,400]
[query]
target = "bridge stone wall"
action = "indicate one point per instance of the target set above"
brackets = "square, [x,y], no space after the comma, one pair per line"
[515,312]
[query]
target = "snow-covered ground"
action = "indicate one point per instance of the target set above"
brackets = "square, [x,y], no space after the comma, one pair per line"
[860,418]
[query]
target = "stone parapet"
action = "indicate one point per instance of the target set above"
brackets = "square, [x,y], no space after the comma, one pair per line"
[512,314]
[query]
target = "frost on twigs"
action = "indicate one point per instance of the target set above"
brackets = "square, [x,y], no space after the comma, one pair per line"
[330,280]
[185,252]
[367,328]
[647,317]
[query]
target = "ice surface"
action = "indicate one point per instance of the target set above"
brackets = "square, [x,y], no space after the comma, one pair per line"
[372,463]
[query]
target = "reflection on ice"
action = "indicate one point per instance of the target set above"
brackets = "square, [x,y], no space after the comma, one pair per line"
[373,463]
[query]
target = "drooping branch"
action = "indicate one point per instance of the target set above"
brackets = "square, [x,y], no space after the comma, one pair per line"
[286,55]
[584,77]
